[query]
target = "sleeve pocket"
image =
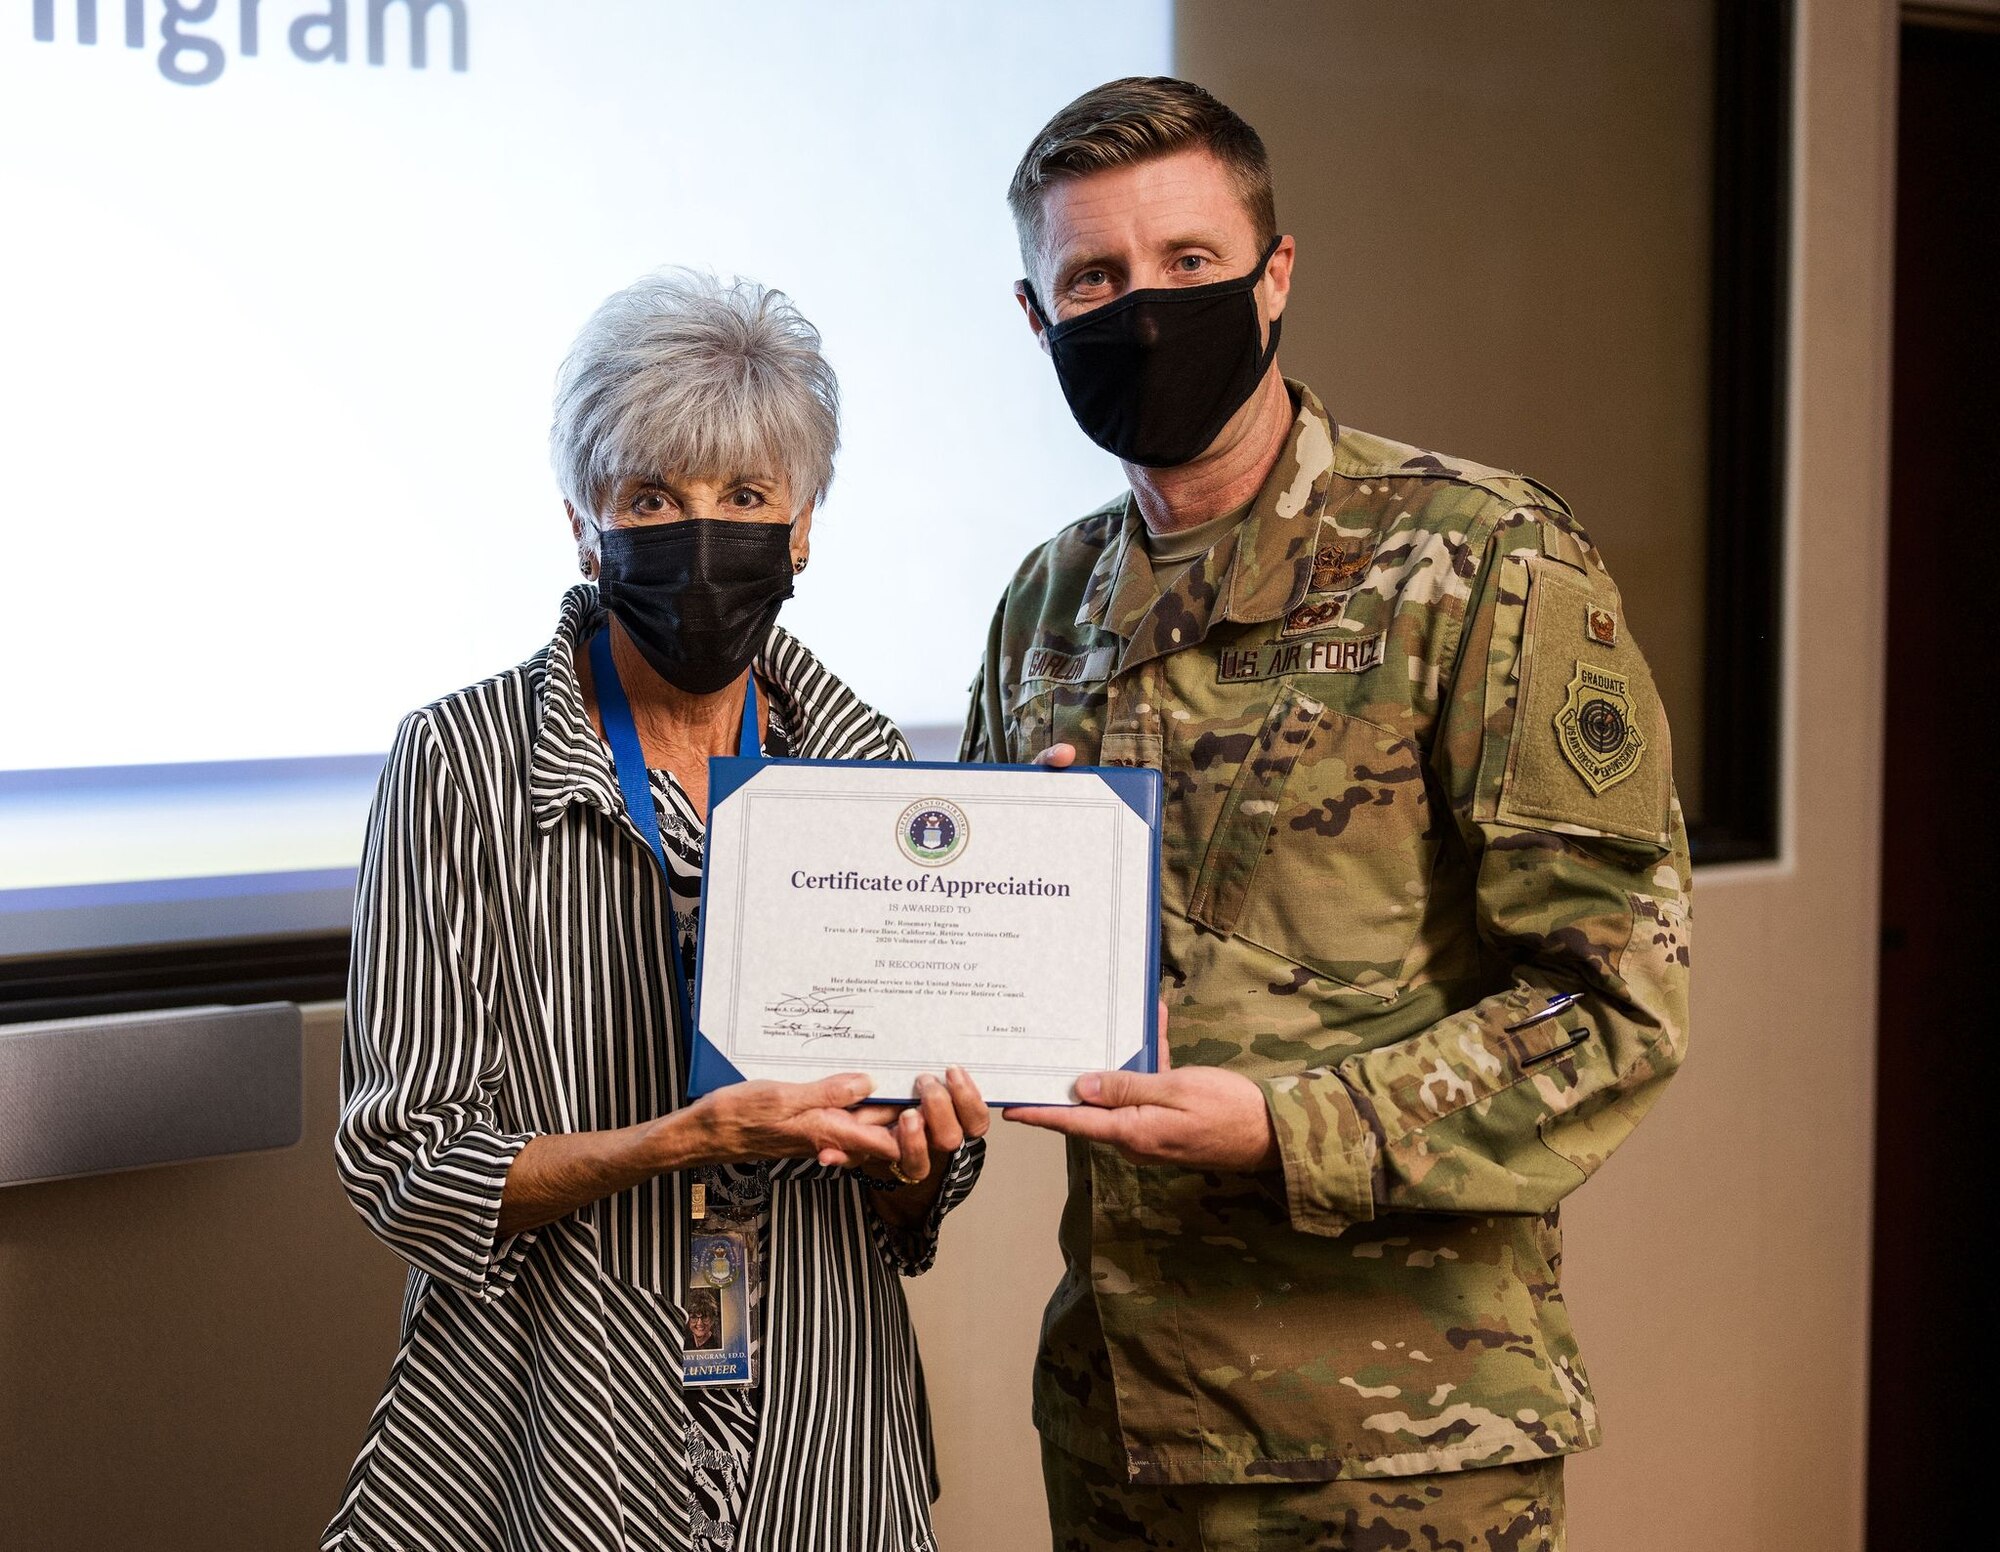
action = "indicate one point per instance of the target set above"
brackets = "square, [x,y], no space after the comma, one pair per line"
[1589,751]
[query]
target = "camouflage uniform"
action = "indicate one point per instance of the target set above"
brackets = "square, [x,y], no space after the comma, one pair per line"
[1498,1509]
[1418,783]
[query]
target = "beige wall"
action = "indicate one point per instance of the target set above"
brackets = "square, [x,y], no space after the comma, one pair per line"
[1718,1268]
[1720,1271]
[187,1355]
[1502,211]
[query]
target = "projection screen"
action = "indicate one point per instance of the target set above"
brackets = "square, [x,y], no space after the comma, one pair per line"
[285,291]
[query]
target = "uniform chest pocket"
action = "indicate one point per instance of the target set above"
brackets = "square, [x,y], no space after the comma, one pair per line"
[1322,851]
[1044,714]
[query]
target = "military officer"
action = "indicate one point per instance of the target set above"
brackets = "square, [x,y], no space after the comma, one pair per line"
[1425,899]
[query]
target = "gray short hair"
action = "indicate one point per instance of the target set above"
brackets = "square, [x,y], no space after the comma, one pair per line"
[680,373]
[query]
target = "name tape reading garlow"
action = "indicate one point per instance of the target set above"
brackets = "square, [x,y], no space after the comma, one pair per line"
[1049,665]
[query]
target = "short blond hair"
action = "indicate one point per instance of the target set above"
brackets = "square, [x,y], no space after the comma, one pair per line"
[1134,120]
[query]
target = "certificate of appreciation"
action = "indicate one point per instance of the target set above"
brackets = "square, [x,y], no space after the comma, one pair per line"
[896,919]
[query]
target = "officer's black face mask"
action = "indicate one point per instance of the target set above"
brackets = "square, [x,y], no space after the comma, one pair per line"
[697,597]
[1154,376]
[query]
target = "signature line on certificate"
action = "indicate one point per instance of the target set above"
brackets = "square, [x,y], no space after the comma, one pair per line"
[812,1018]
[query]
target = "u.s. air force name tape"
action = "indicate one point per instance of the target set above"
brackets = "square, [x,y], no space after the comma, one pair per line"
[1325,655]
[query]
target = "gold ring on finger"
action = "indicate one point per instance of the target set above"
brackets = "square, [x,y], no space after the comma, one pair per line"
[897,1171]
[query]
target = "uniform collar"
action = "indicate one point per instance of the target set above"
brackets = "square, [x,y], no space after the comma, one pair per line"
[1259,571]
[570,762]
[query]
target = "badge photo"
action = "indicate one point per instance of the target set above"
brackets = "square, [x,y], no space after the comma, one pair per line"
[720,1270]
[704,1314]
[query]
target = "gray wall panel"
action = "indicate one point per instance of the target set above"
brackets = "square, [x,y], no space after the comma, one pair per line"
[88,1096]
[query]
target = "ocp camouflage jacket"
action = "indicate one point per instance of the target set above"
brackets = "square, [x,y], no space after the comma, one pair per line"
[1418,784]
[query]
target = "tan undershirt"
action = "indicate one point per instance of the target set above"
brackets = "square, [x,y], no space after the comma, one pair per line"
[1173,553]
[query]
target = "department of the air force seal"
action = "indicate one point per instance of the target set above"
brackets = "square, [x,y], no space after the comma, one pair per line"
[932,832]
[1595,728]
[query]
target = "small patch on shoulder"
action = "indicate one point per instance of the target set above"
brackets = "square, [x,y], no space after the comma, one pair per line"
[1602,626]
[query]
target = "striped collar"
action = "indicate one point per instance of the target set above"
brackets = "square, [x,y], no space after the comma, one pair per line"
[571,763]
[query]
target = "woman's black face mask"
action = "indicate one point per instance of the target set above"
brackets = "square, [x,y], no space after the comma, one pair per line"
[1153,377]
[697,597]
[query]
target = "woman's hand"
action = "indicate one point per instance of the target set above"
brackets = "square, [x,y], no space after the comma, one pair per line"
[767,1120]
[930,1131]
[556,1174]
[926,1135]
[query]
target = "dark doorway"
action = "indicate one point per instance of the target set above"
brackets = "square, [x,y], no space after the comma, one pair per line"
[1940,863]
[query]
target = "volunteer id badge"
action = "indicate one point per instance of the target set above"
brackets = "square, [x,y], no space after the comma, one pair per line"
[722,1269]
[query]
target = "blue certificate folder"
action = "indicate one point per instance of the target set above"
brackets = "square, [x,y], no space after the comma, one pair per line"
[1141,790]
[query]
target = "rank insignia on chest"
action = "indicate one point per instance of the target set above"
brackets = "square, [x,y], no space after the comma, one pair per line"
[1603,627]
[1338,567]
[1314,614]
[1595,730]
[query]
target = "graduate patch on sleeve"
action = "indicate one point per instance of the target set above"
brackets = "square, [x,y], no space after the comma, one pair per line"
[1595,728]
[1589,751]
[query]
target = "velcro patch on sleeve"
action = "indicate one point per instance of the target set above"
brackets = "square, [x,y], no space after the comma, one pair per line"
[1589,749]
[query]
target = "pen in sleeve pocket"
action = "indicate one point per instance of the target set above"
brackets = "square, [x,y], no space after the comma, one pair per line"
[1547,1010]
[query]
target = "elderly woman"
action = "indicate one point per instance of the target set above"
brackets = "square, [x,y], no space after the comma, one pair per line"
[515,1122]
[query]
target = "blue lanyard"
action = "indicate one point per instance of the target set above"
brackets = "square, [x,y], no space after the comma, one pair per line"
[622,733]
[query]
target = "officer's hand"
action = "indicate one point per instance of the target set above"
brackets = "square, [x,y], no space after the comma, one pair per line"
[1057,756]
[1199,1118]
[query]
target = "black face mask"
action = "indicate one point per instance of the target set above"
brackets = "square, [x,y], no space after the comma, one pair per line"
[1154,376]
[697,597]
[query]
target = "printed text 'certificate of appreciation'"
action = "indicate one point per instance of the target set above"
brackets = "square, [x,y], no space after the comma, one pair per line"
[896,919]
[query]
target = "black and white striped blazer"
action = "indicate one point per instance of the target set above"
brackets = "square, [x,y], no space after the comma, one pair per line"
[510,978]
